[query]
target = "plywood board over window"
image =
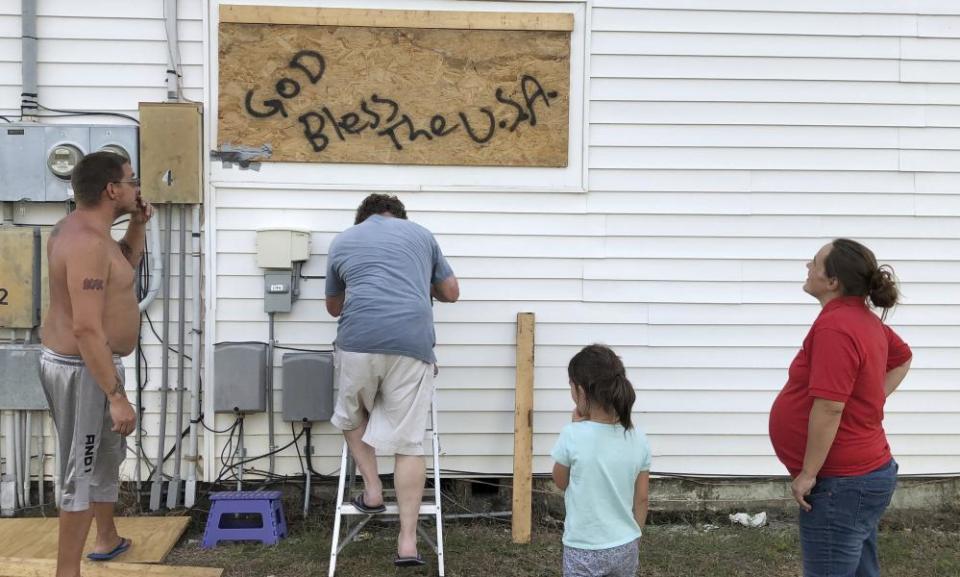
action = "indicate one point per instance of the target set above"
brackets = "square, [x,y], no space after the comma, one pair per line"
[395,86]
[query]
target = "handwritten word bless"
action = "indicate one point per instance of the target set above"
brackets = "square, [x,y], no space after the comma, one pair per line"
[385,117]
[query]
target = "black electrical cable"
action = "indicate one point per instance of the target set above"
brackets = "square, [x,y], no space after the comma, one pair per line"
[169,347]
[228,446]
[258,457]
[87,113]
[5,118]
[204,425]
[310,468]
[303,350]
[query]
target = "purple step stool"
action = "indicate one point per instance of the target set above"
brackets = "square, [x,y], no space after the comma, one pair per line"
[221,527]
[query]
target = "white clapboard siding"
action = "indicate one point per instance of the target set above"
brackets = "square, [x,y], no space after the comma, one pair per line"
[725,142]
[101,56]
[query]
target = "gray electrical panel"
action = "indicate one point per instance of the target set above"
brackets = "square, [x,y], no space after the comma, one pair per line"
[277,291]
[241,377]
[308,386]
[36,160]
[20,387]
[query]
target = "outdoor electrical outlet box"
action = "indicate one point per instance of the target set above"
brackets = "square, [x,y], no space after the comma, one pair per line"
[171,137]
[277,291]
[241,377]
[308,386]
[280,248]
[19,277]
[37,160]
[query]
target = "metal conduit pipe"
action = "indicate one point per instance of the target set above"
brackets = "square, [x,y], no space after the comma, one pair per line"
[9,474]
[27,442]
[156,270]
[28,64]
[190,490]
[173,488]
[40,460]
[156,488]
[17,455]
[271,442]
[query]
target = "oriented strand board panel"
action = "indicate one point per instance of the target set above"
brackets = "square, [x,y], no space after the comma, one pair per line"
[428,88]
[14,567]
[36,538]
[17,277]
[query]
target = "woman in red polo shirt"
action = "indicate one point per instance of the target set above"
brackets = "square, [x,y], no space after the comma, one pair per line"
[826,425]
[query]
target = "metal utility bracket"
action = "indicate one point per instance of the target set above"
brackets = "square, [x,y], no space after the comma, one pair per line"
[242,155]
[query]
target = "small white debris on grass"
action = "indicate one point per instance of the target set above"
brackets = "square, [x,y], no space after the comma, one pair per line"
[748,520]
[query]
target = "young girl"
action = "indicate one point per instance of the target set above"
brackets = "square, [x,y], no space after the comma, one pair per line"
[603,465]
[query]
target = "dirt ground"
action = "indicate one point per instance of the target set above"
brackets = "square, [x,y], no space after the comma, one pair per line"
[911,545]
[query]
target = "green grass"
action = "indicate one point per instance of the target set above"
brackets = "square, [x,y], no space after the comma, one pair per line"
[484,548]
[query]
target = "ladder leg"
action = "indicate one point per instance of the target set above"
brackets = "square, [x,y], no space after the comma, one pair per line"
[336,518]
[437,496]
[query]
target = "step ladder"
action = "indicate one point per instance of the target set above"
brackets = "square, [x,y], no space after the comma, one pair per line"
[431,506]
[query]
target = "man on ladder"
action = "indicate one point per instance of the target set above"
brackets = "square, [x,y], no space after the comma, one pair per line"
[382,274]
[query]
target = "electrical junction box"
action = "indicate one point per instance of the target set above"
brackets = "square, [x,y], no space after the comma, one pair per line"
[241,377]
[280,248]
[20,277]
[171,138]
[277,291]
[308,386]
[37,160]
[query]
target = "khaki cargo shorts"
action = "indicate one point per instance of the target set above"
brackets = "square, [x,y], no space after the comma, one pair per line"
[394,390]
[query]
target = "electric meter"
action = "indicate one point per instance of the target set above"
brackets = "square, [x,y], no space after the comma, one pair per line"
[117,149]
[63,159]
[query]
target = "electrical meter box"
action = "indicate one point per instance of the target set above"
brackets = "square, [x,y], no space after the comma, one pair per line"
[37,160]
[308,386]
[241,377]
[171,138]
[280,248]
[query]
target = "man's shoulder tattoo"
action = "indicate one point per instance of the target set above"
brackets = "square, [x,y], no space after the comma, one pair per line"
[93,284]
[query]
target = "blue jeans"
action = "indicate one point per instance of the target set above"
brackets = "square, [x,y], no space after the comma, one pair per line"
[838,537]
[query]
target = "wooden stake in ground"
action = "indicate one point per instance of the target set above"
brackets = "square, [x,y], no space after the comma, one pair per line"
[523,431]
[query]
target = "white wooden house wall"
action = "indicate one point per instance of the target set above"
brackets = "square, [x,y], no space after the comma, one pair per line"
[724,141]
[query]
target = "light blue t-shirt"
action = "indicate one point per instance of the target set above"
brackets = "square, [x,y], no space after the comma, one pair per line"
[386,266]
[604,464]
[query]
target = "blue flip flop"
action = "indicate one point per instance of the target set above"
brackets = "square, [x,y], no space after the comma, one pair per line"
[120,548]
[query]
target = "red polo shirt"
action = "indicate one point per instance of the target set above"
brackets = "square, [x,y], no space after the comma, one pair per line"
[845,358]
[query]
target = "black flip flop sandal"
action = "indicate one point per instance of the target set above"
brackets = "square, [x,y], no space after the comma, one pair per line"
[364,508]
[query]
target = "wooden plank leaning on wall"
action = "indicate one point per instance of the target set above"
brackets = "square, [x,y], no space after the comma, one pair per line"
[523,431]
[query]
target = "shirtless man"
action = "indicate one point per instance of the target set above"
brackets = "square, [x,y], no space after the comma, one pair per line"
[92,322]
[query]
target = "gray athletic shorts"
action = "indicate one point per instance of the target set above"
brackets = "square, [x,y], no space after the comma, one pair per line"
[621,561]
[90,453]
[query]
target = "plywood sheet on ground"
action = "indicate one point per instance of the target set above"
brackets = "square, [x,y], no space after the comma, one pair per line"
[392,95]
[36,538]
[14,567]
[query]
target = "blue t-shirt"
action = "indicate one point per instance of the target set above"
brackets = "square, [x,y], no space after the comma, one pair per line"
[386,266]
[604,464]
